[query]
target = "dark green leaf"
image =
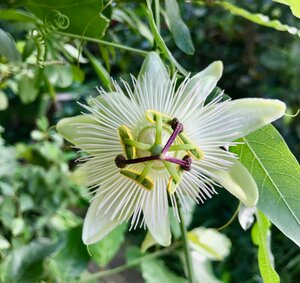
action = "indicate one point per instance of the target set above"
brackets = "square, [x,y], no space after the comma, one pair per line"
[104,251]
[178,28]
[85,16]
[8,47]
[72,258]
[28,90]
[277,175]
[25,265]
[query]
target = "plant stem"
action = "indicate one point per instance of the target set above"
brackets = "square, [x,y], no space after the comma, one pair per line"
[128,265]
[157,14]
[186,247]
[104,42]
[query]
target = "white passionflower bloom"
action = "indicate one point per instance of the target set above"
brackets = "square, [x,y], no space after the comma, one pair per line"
[158,143]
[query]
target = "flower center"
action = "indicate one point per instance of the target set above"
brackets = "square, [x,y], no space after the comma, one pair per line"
[157,147]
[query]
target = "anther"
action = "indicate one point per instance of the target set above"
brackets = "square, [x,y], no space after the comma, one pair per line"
[175,124]
[188,164]
[120,161]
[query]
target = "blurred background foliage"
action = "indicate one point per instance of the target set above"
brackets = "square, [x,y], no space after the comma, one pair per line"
[47,65]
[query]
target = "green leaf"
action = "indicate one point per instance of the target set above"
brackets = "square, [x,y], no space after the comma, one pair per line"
[178,28]
[3,101]
[294,5]
[84,15]
[8,47]
[59,75]
[260,19]
[155,271]
[28,90]
[25,265]
[148,242]
[277,175]
[261,237]
[72,258]
[105,250]
[16,15]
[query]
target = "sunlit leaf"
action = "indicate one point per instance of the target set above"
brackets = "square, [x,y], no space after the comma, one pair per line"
[261,237]
[277,174]
[3,101]
[178,28]
[257,18]
[294,6]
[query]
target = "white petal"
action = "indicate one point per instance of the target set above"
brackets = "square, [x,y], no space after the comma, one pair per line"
[96,226]
[239,182]
[156,214]
[205,81]
[254,113]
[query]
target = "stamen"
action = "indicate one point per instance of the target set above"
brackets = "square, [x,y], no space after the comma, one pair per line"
[185,163]
[120,160]
[178,128]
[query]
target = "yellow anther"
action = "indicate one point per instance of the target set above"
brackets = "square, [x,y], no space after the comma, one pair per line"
[146,182]
[125,134]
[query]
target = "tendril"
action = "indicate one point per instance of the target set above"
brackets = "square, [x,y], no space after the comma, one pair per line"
[52,22]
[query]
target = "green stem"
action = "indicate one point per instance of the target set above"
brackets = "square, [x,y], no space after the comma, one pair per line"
[128,265]
[157,14]
[186,247]
[104,42]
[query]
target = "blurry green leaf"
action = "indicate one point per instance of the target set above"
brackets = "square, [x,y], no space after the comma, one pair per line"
[17,226]
[78,74]
[132,253]
[84,15]
[25,265]
[74,53]
[131,18]
[178,28]
[72,258]
[28,90]
[99,69]
[8,211]
[259,19]
[3,101]
[277,174]
[294,5]
[59,75]
[8,161]
[8,47]
[261,238]
[209,243]
[104,251]
[65,219]
[148,242]
[155,271]
[37,135]
[4,244]
[16,15]
[26,202]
